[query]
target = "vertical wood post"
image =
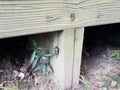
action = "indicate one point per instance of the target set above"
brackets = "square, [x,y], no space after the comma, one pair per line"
[63,63]
[79,34]
[66,65]
[68,56]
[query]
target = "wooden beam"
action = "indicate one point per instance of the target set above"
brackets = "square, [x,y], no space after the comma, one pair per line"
[30,17]
[79,35]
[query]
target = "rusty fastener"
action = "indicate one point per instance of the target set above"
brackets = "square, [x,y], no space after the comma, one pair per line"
[72,16]
[56,50]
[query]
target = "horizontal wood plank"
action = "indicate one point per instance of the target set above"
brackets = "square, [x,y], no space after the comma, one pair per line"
[31,17]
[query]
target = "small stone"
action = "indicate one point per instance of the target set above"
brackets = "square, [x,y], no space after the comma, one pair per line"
[113,83]
[1,71]
[21,76]
[15,72]
[104,56]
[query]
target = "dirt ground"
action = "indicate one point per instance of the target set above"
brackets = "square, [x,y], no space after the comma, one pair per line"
[101,71]
[14,59]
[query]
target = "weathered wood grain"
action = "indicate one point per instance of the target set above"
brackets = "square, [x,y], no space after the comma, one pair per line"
[63,63]
[30,17]
[78,44]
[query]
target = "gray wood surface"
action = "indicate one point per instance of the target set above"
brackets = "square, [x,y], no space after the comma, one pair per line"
[30,17]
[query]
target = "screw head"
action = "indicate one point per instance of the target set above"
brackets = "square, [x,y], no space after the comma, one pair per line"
[56,50]
[72,16]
